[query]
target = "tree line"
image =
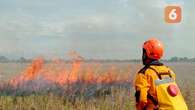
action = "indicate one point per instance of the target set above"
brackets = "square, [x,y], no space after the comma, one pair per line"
[4,59]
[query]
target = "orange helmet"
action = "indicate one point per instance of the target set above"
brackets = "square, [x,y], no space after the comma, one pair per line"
[154,49]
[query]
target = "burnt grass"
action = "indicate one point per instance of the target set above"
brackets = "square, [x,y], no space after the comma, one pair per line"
[75,96]
[69,91]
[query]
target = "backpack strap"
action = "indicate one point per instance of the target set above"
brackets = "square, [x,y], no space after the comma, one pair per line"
[155,102]
[160,74]
[143,70]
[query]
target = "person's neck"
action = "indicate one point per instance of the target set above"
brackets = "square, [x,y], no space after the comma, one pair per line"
[154,62]
[150,61]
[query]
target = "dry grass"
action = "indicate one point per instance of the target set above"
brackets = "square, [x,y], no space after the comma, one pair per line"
[119,99]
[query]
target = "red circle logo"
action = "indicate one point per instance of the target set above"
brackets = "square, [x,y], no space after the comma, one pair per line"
[172,90]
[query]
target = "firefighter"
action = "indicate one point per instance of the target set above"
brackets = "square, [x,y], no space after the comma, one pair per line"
[155,84]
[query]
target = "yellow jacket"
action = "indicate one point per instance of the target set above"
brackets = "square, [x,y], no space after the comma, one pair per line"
[146,96]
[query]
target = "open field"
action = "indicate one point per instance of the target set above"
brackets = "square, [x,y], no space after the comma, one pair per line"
[107,99]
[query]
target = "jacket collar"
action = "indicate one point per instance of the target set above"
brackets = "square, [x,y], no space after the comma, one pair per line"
[155,63]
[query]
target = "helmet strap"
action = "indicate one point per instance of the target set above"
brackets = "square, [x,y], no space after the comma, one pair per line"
[145,59]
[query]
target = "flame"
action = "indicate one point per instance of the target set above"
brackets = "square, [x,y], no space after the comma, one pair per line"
[30,73]
[57,72]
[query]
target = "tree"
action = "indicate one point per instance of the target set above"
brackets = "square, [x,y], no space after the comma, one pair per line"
[4,59]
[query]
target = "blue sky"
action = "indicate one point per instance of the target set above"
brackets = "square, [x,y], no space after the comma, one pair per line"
[113,29]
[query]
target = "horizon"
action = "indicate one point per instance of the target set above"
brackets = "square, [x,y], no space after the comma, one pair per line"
[7,59]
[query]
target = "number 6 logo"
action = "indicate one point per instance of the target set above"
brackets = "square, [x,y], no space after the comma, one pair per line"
[173,14]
